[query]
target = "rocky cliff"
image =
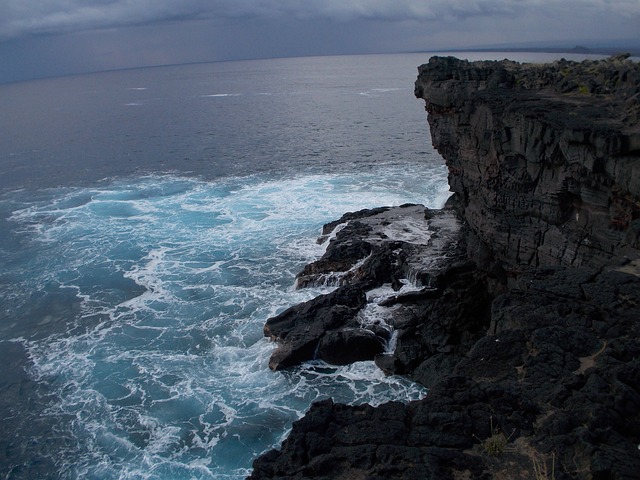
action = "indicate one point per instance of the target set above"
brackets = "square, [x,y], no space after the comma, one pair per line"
[523,316]
[545,158]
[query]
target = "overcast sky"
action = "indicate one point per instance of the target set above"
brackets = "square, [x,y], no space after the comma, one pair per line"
[54,37]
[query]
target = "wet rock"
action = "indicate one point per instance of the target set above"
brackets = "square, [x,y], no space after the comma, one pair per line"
[375,247]
[300,328]
[342,254]
[346,346]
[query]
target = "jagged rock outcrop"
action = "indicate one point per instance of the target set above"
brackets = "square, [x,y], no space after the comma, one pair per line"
[556,382]
[545,158]
[369,249]
[528,332]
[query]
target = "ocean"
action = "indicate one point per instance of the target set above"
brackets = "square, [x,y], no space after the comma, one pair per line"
[151,220]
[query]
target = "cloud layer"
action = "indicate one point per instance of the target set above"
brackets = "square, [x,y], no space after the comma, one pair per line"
[20,18]
[40,38]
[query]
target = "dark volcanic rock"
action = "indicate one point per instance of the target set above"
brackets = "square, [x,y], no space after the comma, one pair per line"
[545,158]
[349,345]
[301,327]
[373,248]
[558,375]
[527,328]
[342,255]
[447,324]
[384,245]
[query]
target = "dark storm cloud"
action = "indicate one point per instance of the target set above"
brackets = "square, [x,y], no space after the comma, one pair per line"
[40,38]
[25,17]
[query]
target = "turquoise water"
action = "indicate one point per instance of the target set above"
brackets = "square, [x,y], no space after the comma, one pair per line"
[144,302]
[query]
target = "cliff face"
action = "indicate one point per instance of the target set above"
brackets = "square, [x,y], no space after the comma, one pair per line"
[545,159]
[526,329]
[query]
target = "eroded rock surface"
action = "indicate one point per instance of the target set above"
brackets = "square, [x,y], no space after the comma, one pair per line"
[545,158]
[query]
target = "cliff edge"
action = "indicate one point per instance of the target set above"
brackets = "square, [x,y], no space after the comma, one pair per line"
[545,159]
[523,316]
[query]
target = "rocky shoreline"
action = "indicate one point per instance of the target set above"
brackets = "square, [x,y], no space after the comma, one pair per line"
[522,316]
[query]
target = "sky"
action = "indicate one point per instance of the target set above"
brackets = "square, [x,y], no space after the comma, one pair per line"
[40,38]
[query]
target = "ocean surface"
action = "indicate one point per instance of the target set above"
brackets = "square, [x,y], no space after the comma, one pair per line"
[152,220]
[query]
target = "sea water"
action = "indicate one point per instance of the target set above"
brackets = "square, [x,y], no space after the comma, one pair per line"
[151,221]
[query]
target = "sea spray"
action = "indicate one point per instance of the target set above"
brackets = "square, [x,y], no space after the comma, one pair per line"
[158,367]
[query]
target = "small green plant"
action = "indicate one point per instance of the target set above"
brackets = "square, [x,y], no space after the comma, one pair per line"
[540,469]
[497,442]
[583,90]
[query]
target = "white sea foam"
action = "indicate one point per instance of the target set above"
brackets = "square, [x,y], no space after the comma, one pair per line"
[164,367]
[409,230]
[375,92]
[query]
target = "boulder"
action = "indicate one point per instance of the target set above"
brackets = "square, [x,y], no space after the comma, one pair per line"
[300,328]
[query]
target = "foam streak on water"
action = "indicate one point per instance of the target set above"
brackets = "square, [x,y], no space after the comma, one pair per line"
[150,296]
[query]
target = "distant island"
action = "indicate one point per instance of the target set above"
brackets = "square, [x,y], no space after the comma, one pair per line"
[632,49]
